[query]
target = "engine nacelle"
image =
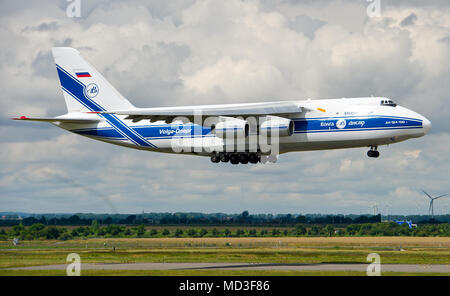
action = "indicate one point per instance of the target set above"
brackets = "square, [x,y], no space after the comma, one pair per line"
[231,128]
[274,125]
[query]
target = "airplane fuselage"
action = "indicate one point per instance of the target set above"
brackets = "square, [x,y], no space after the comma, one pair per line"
[324,124]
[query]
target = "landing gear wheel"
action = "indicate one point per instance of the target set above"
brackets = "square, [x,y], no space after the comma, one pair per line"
[253,158]
[373,152]
[215,158]
[243,158]
[224,157]
[234,159]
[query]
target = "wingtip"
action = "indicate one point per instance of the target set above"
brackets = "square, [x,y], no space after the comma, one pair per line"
[20,118]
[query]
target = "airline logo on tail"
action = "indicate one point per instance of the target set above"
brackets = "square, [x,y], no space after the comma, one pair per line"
[91,90]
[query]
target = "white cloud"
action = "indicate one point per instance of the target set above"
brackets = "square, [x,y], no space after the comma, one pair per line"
[242,78]
[354,166]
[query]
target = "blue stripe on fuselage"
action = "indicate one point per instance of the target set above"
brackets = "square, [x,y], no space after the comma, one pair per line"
[354,124]
[315,125]
[160,132]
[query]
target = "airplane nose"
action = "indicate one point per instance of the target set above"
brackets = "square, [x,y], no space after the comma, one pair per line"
[426,124]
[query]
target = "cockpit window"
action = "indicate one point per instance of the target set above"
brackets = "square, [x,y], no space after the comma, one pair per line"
[388,103]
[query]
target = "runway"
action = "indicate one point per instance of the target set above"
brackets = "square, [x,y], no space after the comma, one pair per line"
[435,268]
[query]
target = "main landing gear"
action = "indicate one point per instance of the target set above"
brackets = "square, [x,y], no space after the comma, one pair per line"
[373,152]
[236,157]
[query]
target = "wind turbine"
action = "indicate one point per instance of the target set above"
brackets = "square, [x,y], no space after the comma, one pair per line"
[388,205]
[374,208]
[432,199]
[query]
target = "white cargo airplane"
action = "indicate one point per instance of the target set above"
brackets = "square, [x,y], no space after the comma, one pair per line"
[98,111]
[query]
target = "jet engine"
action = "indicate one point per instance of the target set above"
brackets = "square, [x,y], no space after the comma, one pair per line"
[274,125]
[231,128]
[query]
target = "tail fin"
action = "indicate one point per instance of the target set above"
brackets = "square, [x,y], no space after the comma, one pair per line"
[84,88]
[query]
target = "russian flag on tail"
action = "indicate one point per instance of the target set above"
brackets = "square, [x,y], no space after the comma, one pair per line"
[82,74]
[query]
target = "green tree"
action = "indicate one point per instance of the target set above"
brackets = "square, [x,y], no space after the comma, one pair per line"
[74,220]
[52,232]
[352,229]
[300,219]
[315,230]
[178,232]
[65,236]
[94,227]
[203,232]
[240,232]
[329,230]
[140,230]
[131,219]
[365,229]
[275,232]
[36,231]
[192,232]
[114,230]
[18,229]
[101,231]
[300,229]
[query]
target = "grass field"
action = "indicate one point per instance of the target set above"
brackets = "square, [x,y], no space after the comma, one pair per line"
[417,250]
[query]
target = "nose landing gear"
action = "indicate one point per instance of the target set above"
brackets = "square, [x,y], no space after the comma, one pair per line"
[373,152]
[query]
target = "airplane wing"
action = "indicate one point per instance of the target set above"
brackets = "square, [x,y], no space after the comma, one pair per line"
[250,109]
[59,119]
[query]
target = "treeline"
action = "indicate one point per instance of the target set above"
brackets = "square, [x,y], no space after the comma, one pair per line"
[40,231]
[217,219]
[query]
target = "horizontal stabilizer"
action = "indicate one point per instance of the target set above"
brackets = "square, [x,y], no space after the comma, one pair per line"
[60,119]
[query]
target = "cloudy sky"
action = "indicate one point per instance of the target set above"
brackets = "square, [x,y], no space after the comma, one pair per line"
[168,53]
